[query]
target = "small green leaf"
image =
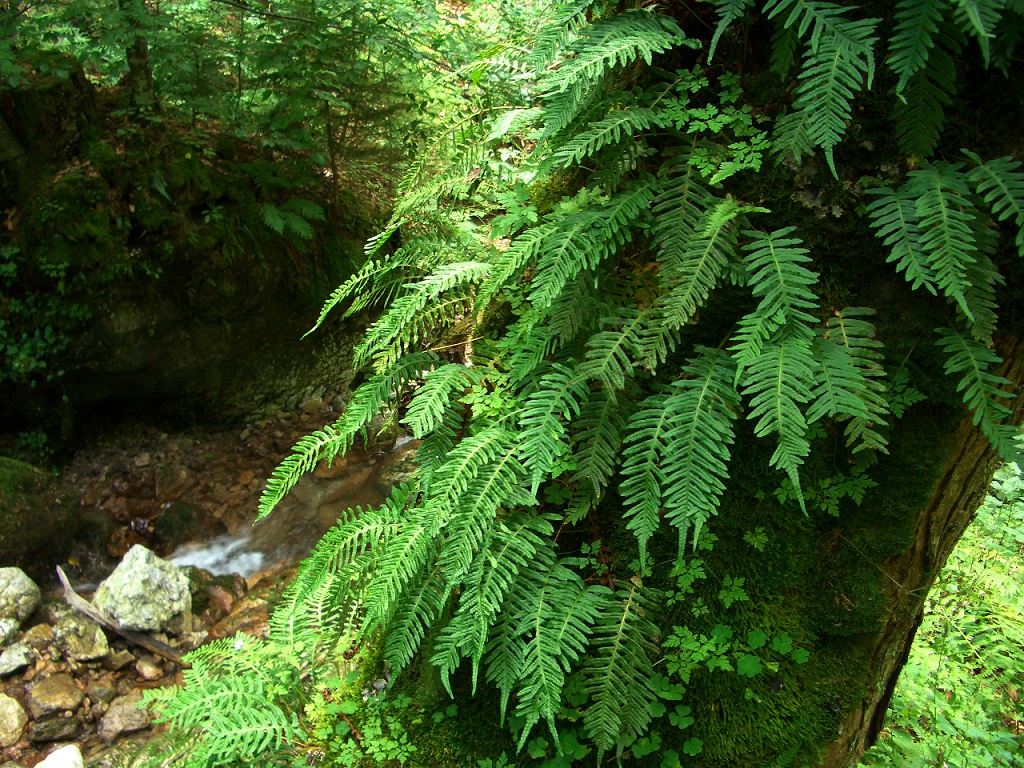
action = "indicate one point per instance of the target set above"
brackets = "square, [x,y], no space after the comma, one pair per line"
[800,655]
[756,638]
[749,665]
[681,717]
[657,709]
[670,759]
[349,707]
[537,748]
[693,746]
[782,643]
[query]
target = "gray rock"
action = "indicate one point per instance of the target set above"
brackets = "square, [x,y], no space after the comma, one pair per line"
[56,729]
[147,594]
[8,631]
[15,658]
[12,721]
[57,693]
[124,716]
[19,595]
[65,757]
[80,639]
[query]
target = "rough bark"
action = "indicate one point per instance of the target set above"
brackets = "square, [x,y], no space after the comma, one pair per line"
[940,524]
[140,69]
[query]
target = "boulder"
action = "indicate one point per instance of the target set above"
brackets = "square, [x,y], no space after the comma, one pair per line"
[124,716]
[80,639]
[38,518]
[65,757]
[55,729]
[19,595]
[15,658]
[147,594]
[12,721]
[57,693]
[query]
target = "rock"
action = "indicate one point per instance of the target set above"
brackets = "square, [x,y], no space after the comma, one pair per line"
[55,729]
[38,518]
[19,595]
[124,716]
[15,658]
[312,406]
[147,594]
[38,637]
[12,721]
[57,693]
[171,481]
[8,631]
[101,690]
[149,669]
[142,460]
[65,757]
[119,660]
[80,639]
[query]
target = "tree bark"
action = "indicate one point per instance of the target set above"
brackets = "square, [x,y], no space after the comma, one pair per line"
[940,524]
[140,68]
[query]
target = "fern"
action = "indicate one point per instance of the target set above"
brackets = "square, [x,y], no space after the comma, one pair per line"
[595,447]
[982,390]
[611,130]
[618,671]
[728,12]
[543,421]
[431,401]
[1000,182]
[913,39]
[894,217]
[920,114]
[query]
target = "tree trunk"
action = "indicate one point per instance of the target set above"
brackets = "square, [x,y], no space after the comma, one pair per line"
[140,69]
[940,524]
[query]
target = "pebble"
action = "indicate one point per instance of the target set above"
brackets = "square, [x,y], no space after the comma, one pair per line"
[119,660]
[148,668]
[124,716]
[56,729]
[15,658]
[80,639]
[39,636]
[19,595]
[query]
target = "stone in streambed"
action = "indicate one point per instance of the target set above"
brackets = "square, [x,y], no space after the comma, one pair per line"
[147,594]
[12,721]
[19,595]
[124,716]
[57,693]
[80,639]
[8,631]
[65,757]
[15,658]
[56,729]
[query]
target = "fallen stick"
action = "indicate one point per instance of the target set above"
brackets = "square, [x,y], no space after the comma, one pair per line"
[104,619]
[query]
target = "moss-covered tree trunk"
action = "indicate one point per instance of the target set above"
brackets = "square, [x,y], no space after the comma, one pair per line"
[909,576]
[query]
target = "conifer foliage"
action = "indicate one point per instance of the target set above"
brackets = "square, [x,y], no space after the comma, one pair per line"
[585,382]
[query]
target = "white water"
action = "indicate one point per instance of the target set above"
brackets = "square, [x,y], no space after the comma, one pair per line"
[221,555]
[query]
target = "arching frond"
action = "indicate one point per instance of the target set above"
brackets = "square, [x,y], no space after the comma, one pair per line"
[543,420]
[1000,182]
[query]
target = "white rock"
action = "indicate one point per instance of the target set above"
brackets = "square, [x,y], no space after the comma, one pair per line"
[147,594]
[8,630]
[15,658]
[65,757]
[19,595]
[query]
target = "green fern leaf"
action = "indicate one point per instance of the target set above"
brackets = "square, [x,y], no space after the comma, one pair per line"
[596,447]
[912,40]
[728,12]
[543,418]
[610,353]
[1000,182]
[893,216]
[981,17]
[618,670]
[775,271]
[696,453]
[432,400]
[778,384]
[982,389]
[611,130]
[920,114]
[643,477]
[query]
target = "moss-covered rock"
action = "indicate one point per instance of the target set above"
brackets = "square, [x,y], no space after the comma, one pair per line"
[38,519]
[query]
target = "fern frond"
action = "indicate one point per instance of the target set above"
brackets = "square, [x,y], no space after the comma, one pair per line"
[980,17]
[913,38]
[696,454]
[920,113]
[778,384]
[517,545]
[728,12]
[893,216]
[947,220]
[432,400]
[982,389]
[417,611]
[393,332]
[611,130]
[595,446]
[775,270]
[847,385]
[618,670]
[1000,182]
[642,473]
[543,418]
[610,353]
[367,401]
[555,613]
